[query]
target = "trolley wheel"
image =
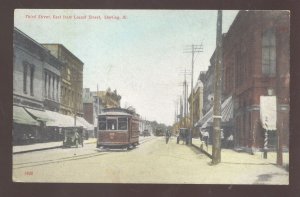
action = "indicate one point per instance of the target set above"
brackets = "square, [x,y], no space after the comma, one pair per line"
[129,147]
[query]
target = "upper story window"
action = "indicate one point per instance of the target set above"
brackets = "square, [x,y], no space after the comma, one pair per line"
[68,74]
[31,79]
[25,67]
[269,52]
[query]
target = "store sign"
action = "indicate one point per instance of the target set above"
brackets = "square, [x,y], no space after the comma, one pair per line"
[268,112]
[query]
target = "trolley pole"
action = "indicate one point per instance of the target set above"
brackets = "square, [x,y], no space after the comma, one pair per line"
[216,149]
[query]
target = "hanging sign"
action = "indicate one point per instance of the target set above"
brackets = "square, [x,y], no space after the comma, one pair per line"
[268,112]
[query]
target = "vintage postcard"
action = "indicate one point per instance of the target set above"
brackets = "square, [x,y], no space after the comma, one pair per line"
[151,96]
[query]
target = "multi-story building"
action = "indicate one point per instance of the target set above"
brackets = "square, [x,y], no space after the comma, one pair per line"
[255,61]
[88,106]
[94,102]
[92,106]
[206,78]
[71,74]
[36,85]
[197,104]
[108,98]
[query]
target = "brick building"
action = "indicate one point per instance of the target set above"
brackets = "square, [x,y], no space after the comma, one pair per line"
[207,78]
[255,60]
[94,102]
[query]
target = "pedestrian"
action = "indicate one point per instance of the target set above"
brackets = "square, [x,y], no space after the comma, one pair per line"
[205,138]
[167,136]
[76,138]
[230,141]
[187,137]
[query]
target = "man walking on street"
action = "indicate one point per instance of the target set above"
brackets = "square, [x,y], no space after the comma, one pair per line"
[167,136]
[205,135]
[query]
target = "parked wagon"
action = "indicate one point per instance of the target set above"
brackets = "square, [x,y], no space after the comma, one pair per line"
[73,136]
[183,135]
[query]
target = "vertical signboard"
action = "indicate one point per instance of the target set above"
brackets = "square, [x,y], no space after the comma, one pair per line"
[268,112]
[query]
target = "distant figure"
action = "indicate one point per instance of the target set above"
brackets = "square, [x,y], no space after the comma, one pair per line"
[76,138]
[205,135]
[230,141]
[187,137]
[167,136]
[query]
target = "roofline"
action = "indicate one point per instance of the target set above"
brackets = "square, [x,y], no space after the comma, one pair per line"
[65,48]
[28,37]
[37,43]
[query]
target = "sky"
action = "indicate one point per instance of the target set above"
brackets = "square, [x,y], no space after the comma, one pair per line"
[140,53]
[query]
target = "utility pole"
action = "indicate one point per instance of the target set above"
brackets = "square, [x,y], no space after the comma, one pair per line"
[216,149]
[194,49]
[279,127]
[185,98]
[185,85]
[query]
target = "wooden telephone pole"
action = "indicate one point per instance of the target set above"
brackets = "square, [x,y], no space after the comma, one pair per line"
[194,49]
[216,149]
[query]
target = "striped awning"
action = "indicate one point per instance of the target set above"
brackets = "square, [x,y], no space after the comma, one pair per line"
[227,114]
[38,114]
[85,124]
[20,116]
[60,120]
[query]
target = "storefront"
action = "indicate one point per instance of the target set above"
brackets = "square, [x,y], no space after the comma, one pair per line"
[25,128]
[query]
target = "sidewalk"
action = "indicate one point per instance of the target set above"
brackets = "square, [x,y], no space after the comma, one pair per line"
[231,156]
[44,146]
[52,145]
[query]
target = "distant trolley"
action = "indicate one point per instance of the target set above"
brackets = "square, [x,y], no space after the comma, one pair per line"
[118,128]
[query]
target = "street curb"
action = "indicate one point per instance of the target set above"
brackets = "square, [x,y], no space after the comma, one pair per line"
[33,150]
[203,151]
[40,149]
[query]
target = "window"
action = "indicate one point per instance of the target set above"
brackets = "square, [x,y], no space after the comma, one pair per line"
[122,123]
[49,82]
[45,85]
[68,74]
[53,86]
[25,78]
[269,53]
[112,124]
[31,79]
[102,123]
[57,88]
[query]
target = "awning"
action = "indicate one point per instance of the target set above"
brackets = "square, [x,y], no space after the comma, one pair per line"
[85,124]
[38,115]
[227,114]
[20,116]
[60,120]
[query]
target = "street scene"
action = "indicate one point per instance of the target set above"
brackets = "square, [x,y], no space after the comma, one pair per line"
[151,96]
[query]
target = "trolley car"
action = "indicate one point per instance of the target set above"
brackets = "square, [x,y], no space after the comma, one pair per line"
[118,128]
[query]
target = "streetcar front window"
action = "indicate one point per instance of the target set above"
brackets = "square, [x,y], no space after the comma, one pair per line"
[112,124]
[122,123]
[102,124]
